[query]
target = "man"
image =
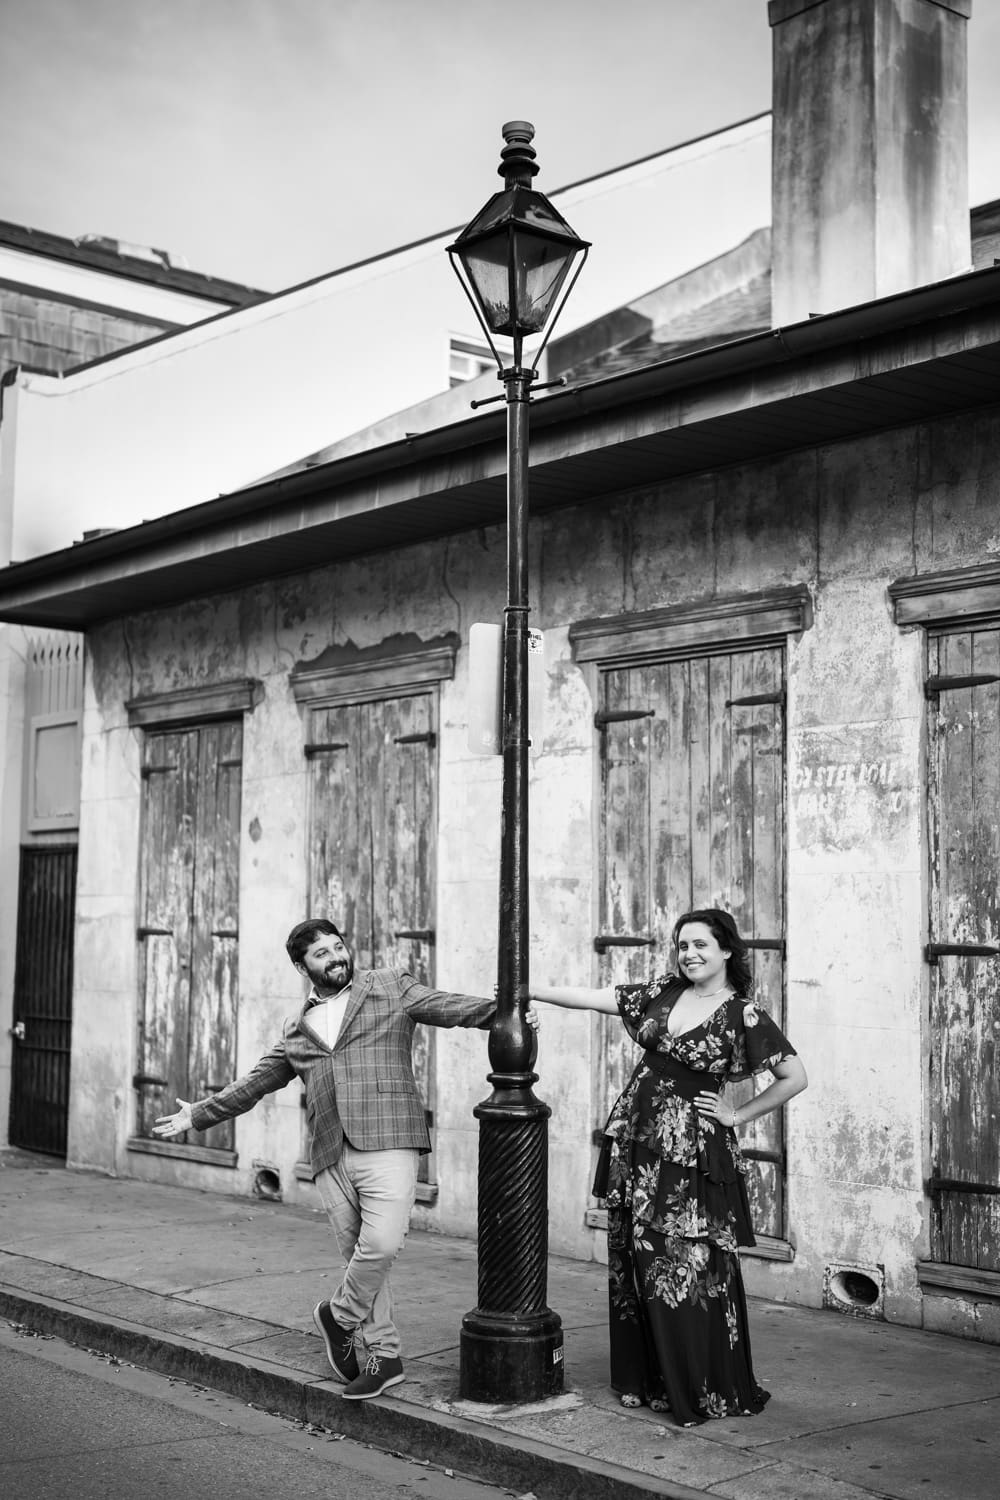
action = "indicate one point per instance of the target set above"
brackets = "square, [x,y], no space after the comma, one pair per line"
[351,1045]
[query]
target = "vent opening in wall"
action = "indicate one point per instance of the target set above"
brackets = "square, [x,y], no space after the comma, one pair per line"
[856,1289]
[267,1183]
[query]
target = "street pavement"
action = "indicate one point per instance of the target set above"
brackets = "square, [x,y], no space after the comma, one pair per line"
[219,1291]
[80,1425]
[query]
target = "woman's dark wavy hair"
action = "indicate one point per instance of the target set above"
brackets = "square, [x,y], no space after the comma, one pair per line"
[726,934]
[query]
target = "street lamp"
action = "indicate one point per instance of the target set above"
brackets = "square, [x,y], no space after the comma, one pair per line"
[517,261]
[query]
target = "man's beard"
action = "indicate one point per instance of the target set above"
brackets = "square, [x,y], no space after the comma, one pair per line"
[336,976]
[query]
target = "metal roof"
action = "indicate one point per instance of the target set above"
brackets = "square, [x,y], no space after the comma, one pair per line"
[908,358]
[99,254]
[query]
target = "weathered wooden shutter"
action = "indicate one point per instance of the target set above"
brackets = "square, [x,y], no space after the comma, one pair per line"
[693,815]
[188,934]
[963,689]
[340,855]
[372,844]
[403,909]
[215,921]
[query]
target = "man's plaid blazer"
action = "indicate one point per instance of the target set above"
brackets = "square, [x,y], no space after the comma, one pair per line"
[364,1088]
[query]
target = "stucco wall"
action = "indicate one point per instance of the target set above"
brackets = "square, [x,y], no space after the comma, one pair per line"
[844,521]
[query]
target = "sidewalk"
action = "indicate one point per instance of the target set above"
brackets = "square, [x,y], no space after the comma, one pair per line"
[219,1291]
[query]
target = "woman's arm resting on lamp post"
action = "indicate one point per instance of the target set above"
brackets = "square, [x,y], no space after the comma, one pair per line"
[576,997]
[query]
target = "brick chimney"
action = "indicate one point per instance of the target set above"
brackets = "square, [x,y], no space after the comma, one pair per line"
[870,156]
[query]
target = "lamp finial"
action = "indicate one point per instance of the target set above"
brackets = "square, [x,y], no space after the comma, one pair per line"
[517,159]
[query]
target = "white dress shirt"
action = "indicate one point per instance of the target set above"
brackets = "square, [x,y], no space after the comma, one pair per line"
[326,1013]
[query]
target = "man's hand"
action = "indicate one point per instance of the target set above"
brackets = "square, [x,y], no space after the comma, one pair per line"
[531,1016]
[171,1126]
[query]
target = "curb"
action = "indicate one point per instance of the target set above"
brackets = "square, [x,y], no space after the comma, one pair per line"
[461,1443]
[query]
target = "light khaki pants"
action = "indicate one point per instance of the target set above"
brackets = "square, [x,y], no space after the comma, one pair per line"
[368,1197]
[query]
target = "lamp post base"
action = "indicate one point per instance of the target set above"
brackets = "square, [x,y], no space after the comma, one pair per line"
[505,1360]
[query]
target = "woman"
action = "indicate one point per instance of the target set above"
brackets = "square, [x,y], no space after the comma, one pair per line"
[671,1172]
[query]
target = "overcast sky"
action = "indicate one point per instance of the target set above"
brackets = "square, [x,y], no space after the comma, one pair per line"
[269,141]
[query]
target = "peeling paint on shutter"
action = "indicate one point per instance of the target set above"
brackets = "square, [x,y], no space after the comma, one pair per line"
[963,689]
[692,777]
[373,822]
[189,921]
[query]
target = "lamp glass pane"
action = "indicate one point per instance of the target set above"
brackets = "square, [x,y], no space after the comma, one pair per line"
[486,267]
[541,270]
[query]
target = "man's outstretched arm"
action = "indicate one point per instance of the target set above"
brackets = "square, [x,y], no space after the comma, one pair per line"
[271,1073]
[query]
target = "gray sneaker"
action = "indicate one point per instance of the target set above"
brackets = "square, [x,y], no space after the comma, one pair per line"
[339,1343]
[379,1373]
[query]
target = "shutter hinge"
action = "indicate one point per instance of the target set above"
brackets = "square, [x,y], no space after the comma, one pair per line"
[934,951]
[317,749]
[606,716]
[958,950]
[753,1153]
[935,685]
[769,945]
[934,1186]
[145,932]
[416,934]
[430,738]
[754,698]
[141,1080]
[605,940]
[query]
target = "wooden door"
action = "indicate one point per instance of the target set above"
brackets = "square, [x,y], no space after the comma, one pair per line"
[43,999]
[963,690]
[189,933]
[692,777]
[372,841]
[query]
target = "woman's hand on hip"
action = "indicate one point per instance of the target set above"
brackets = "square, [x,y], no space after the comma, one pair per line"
[715,1107]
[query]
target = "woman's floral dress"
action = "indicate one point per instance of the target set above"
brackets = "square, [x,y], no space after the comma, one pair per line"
[678,1208]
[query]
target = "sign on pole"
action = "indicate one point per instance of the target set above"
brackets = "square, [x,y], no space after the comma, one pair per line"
[486,689]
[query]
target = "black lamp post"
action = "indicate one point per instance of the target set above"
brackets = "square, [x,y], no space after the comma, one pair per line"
[514,261]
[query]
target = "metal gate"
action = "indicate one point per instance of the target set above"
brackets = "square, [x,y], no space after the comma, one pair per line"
[43,999]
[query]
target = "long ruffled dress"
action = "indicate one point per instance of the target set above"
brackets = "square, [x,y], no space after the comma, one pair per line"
[677,1204]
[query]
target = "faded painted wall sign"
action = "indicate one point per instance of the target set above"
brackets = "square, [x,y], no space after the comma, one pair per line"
[813,783]
[852,799]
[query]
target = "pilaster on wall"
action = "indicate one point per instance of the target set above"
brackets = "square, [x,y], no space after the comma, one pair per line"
[855,958]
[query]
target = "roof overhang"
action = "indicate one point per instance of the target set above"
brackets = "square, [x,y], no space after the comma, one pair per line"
[908,358]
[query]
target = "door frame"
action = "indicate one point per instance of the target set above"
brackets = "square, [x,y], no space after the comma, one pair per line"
[177,709]
[54,1074]
[925,602]
[400,667]
[943,1193]
[672,633]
